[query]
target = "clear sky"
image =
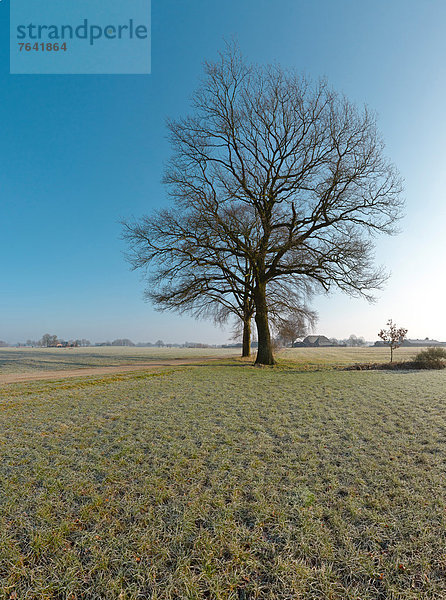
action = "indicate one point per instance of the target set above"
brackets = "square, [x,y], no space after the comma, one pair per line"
[80,152]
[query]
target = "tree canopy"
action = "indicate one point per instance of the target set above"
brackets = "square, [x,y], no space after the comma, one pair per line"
[275,176]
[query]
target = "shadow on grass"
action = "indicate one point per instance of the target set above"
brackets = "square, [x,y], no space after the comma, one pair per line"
[397,367]
[291,366]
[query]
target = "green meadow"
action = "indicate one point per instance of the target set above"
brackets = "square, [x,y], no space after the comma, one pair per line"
[224,481]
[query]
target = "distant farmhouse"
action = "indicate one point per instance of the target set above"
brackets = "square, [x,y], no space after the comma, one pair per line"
[416,343]
[315,341]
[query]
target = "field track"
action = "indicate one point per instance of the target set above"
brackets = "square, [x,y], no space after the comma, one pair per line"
[97,371]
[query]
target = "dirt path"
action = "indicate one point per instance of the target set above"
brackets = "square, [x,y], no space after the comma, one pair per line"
[95,371]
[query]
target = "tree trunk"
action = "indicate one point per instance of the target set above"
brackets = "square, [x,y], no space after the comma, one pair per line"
[246,349]
[265,349]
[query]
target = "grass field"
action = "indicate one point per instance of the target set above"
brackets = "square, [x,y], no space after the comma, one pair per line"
[28,360]
[226,482]
[330,357]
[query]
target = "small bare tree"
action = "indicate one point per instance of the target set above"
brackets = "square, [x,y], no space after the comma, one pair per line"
[393,336]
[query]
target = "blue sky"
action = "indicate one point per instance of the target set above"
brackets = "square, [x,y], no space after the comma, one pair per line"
[80,152]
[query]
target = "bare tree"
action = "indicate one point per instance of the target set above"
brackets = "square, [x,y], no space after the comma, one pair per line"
[355,341]
[48,341]
[186,272]
[393,336]
[122,342]
[294,326]
[285,174]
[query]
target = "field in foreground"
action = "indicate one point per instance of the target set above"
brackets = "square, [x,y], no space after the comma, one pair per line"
[225,483]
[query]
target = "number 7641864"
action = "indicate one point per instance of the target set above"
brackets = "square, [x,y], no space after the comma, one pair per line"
[42,47]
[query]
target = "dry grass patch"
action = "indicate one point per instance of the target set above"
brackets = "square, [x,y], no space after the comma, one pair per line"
[225,483]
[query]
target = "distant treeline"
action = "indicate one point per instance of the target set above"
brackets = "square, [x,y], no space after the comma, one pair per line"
[54,341]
